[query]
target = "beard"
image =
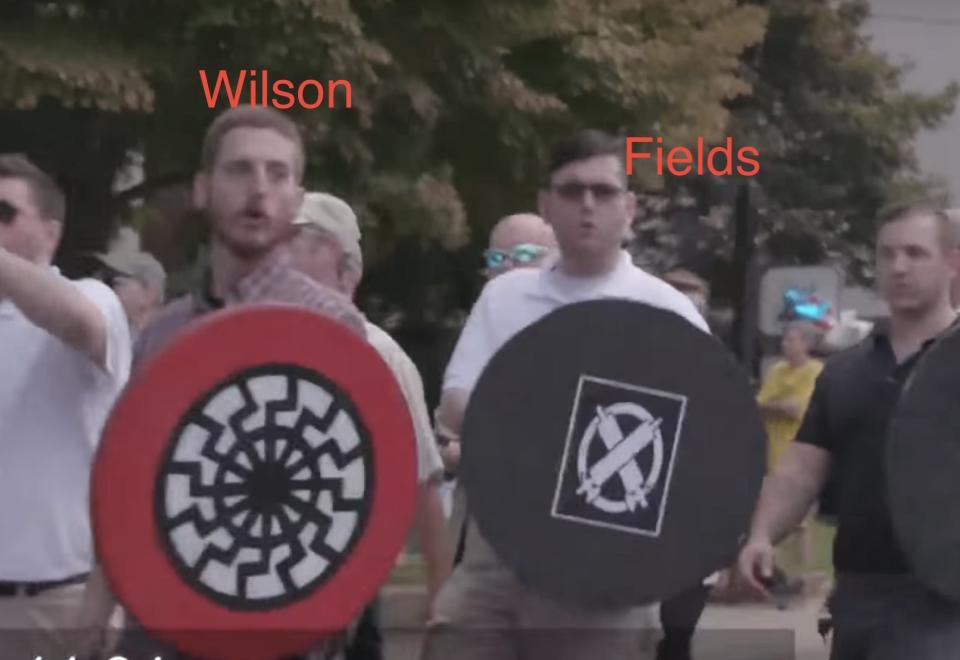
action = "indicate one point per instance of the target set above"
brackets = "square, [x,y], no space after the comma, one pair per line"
[242,247]
[243,250]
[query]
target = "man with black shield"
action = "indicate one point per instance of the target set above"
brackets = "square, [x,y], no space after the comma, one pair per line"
[484,611]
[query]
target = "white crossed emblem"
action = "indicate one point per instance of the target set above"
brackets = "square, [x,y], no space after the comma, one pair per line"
[621,457]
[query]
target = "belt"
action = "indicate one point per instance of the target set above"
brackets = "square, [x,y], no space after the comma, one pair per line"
[11,589]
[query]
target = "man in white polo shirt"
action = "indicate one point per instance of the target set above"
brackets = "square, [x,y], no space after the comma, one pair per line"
[64,357]
[586,201]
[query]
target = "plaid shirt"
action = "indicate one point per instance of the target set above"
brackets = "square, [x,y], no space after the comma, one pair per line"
[276,281]
[273,281]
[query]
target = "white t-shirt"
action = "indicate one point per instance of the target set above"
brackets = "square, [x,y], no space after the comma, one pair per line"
[54,402]
[429,463]
[514,300]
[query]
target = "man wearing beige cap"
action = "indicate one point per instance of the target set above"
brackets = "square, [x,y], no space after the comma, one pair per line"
[331,232]
[138,279]
[327,248]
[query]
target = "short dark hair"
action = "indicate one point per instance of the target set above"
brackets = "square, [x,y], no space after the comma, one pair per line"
[249,116]
[949,231]
[584,144]
[47,195]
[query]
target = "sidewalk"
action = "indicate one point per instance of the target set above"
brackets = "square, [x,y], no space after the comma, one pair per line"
[726,632]
[747,623]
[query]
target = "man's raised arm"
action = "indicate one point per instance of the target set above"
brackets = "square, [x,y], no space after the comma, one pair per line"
[54,304]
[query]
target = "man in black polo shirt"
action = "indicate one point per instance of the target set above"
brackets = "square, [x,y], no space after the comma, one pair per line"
[879,610]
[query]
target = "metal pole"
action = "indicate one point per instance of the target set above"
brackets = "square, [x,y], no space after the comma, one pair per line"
[746,274]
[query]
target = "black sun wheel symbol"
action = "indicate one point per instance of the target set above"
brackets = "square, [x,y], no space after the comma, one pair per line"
[265,488]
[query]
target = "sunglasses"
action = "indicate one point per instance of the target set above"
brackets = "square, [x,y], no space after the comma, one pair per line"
[8,212]
[573,191]
[524,253]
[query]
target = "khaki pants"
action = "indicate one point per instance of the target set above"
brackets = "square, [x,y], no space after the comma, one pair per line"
[484,613]
[43,625]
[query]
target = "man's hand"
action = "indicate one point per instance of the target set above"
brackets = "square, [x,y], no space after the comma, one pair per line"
[450,454]
[449,420]
[784,408]
[450,412]
[755,565]
[94,618]
[786,497]
[791,409]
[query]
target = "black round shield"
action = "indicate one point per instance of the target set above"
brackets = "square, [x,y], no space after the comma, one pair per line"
[613,454]
[923,468]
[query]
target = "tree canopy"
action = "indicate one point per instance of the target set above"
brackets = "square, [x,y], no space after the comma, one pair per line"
[454,106]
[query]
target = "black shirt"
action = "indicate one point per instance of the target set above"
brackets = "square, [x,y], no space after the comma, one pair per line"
[851,407]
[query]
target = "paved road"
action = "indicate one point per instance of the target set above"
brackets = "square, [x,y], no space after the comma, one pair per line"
[760,632]
[727,632]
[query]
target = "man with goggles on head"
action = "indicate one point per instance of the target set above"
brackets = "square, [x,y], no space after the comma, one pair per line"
[521,240]
[518,241]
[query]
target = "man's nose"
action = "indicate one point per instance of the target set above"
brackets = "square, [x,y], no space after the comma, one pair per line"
[901,263]
[587,200]
[258,180]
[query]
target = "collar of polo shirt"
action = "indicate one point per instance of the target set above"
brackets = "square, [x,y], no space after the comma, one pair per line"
[550,289]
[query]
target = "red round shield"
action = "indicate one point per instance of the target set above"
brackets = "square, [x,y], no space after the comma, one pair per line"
[254,484]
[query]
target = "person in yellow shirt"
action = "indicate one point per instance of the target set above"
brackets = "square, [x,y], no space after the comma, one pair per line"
[787,388]
[783,399]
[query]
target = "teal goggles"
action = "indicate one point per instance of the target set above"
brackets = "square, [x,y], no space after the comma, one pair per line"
[523,253]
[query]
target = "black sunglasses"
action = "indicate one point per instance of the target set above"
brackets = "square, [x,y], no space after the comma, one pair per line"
[8,212]
[573,191]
